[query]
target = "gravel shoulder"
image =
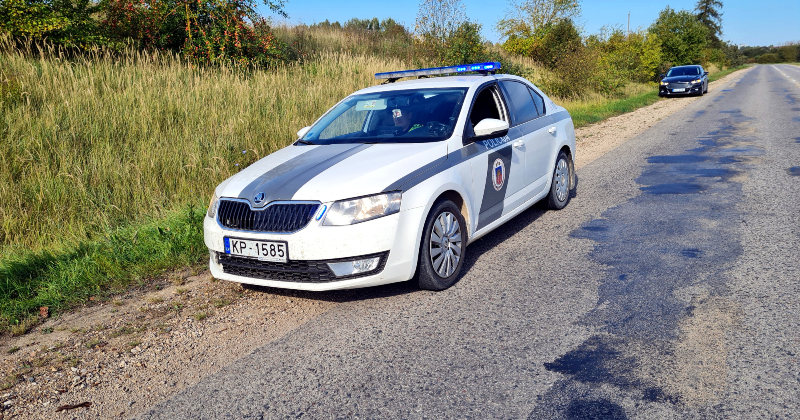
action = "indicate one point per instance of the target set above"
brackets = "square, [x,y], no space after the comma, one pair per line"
[130,353]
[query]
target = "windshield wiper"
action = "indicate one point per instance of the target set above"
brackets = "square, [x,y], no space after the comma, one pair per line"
[305,142]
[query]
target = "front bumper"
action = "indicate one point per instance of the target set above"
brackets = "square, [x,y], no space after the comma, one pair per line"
[394,238]
[691,90]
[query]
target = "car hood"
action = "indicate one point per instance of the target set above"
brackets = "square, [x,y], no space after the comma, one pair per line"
[330,172]
[680,79]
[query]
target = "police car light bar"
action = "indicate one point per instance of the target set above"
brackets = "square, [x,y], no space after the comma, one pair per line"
[464,68]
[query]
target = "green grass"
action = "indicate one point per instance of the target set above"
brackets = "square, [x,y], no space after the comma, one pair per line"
[723,73]
[588,112]
[106,141]
[99,268]
[583,115]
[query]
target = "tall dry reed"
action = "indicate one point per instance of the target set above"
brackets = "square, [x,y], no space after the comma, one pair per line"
[104,141]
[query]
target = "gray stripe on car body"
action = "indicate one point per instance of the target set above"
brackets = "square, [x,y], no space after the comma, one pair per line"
[471,150]
[492,203]
[283,181]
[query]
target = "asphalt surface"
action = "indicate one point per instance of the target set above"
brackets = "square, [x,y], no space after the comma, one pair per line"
[668,288]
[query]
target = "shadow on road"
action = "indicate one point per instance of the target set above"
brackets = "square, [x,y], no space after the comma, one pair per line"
[476,249]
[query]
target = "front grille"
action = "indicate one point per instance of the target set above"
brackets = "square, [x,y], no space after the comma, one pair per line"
[277,218]
[678,85]
[292,271]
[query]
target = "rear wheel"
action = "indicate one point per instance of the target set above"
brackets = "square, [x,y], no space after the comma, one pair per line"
[562,183]
[444,241]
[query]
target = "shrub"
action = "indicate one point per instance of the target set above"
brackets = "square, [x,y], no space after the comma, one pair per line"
[548,44]
[573,74]
[714,56]
[464,46]
[69,23]
[788,53]
[768,58]
[206,31]
[622,58]
[682,36]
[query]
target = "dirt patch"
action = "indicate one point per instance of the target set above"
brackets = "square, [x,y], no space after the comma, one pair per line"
[598,139]
[128,354]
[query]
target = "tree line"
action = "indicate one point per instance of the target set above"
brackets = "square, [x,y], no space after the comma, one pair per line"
[233,32]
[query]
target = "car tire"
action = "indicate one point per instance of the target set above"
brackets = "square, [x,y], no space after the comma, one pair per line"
[563,181]
[442,248]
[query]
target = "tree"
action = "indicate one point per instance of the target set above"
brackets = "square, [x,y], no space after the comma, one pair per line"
[465,45]
[529,18]
[710,16]
[788,53]
[439,19]
[682,36]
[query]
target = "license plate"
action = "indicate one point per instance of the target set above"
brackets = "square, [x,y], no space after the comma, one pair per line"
[678,90]
[263,250]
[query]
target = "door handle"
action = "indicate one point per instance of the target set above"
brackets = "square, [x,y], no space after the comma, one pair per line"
[552,130]
[519,143]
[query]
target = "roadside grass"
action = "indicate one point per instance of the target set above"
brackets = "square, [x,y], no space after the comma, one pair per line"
[100,268]
[104,141]
[595,109]
[583,115]
[719,75]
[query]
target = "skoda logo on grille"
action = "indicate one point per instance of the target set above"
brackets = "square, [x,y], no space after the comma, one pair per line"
[258,198]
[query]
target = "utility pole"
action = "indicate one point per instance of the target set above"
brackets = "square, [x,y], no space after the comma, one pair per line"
[629,24]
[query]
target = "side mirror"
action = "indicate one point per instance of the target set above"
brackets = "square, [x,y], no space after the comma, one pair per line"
[705,73]
[490,128]
[303,131]
[662,76]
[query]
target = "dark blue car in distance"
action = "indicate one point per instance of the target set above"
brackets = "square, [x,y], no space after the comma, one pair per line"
[684,80]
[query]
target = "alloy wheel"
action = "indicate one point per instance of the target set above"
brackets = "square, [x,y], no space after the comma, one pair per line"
[445,244]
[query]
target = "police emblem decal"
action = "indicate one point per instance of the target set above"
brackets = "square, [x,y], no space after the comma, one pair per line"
[258,198]
[498,174]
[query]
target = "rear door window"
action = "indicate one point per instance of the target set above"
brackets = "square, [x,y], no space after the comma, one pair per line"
[522,106]
[538,101]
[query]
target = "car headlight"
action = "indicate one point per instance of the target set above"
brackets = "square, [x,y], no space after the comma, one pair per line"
[696,81]
[212,206]
[357,210]
[663,83]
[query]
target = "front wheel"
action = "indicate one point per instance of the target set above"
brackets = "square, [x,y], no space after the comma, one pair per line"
[444,241]
[562,182]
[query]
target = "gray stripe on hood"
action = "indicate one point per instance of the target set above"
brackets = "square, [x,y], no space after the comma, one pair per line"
[283,181]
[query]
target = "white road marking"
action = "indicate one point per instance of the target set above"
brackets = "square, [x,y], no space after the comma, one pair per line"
[795,81]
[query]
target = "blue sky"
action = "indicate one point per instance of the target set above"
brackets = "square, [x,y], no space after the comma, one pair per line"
[764,22]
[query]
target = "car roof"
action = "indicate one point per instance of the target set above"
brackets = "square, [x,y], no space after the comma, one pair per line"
[466,81]
[688,65]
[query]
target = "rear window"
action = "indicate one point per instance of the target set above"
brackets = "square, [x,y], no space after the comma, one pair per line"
[522,105]
[538,101]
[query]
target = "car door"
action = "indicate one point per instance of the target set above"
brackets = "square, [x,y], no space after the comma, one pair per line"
[499,169]
[531,125]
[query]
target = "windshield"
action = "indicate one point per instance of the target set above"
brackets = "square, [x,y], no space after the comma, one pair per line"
[398,116]
[683,71]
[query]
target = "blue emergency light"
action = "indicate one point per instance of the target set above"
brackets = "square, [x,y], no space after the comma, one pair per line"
[463,68]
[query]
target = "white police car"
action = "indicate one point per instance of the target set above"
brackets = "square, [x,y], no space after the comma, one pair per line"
[393,183]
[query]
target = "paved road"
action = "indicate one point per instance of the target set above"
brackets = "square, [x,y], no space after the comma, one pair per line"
[668,288]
